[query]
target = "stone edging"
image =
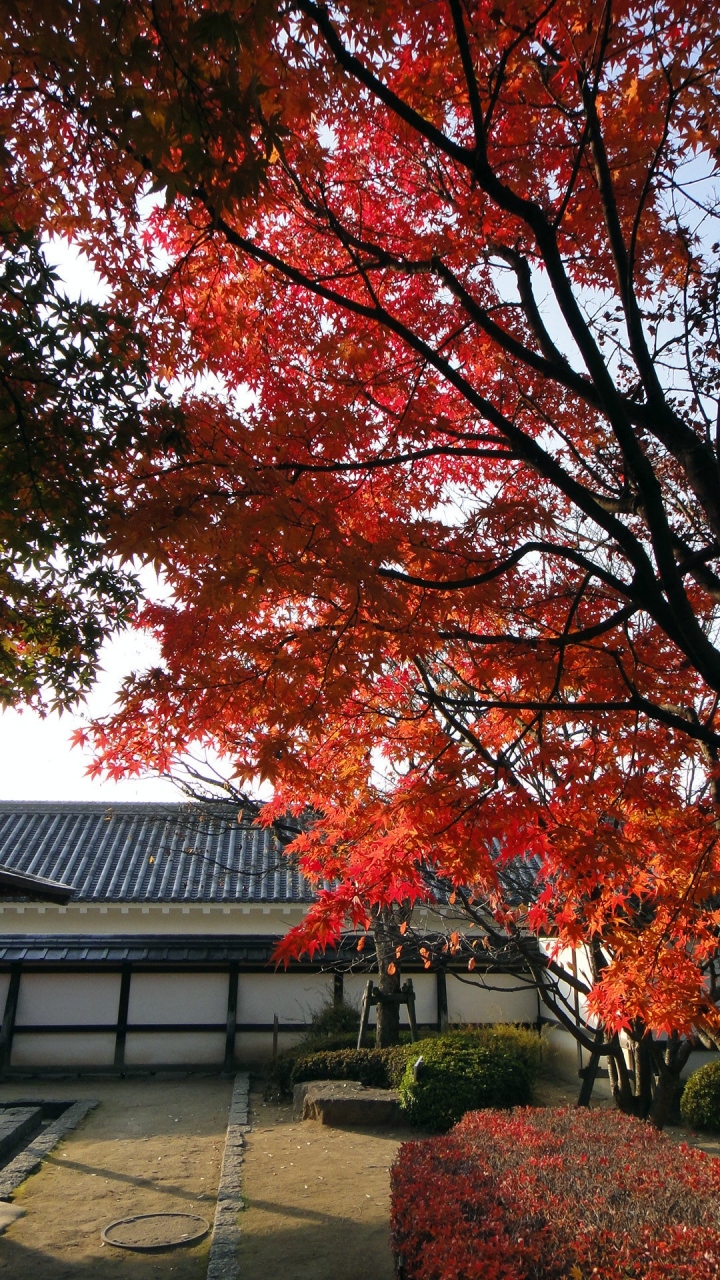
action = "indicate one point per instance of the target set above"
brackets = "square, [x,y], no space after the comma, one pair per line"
[27,1161]
[223,1263]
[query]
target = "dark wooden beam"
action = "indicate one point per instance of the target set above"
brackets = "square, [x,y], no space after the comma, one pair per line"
[442,1000]
[122,1017]
[231,1027]
[7,1030]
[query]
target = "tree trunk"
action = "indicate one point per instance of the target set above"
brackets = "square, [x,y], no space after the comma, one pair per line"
[387,936]
[669,1065]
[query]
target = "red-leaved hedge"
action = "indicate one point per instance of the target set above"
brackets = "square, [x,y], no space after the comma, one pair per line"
[555,1195]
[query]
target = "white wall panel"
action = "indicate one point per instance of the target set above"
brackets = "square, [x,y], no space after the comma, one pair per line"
[178,997]
[194,1047]
[73,998]
[472,1002]
[81,1050]
[294,997]
[354,985]
[424,985]
[254,1047]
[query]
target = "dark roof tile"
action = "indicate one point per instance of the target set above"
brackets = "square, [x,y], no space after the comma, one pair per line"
[148,853]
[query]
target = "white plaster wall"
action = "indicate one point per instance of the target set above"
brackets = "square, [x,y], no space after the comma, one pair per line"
[81,1050]
[178,997]
[191,1048]
[100,919]
[255,1047]
[424,985]
[294,997]
[56,998]
[354,985]
[503,999]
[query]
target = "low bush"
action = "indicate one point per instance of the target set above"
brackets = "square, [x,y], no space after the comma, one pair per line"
[277,1080]
[521,1042]
[457,1075]
[369,1066]
[700,1102]
[554,1195]
[334,1057]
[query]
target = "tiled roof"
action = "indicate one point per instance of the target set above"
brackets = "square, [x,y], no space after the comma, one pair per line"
[158,949]
[148,853]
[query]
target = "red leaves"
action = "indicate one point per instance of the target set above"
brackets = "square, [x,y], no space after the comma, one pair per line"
[411,579]
[543,1194]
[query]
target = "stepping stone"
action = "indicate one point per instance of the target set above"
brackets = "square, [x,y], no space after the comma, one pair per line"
[18,1125]
[345,1102]
[9,1213]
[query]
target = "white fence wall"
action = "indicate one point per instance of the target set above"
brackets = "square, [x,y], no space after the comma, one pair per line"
[294,997]
[178,997]
[499,999]
[58,998]
[184,1000]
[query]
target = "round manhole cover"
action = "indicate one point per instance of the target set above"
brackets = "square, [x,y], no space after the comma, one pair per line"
[147,1231]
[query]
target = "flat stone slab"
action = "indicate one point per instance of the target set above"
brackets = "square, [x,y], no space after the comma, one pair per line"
[30,1159]
[345,1102]
[18,1124]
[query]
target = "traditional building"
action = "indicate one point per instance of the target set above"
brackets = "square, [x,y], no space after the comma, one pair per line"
[138,937]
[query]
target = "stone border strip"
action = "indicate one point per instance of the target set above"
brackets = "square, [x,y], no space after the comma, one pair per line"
[223,1262]
[27,1161]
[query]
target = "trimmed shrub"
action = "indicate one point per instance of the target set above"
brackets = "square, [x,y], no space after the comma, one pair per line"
[458,1075]
[277,1081]
[397,1058]
[314,1058]
[551,1194]
[369,1066]
[521,1042]
[700,1102]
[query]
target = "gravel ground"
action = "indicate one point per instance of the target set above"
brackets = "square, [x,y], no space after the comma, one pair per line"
[152,1145]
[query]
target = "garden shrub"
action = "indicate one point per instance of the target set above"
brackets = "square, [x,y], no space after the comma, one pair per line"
[521,1042]
[334,1026]
[369,1066]
[314,1057]
[277,1080]
[700,1102]
[553,1195]
[457,1075]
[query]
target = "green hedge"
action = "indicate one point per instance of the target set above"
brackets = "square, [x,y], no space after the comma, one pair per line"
[700,1102]
[467,1068]
[369,1066]
[457,1075]
[277,1081]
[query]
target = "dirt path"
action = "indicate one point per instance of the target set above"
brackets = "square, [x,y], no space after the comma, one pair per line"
[151,1145]
[317,1199]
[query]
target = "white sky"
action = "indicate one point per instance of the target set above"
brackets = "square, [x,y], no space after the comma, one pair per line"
[36,759]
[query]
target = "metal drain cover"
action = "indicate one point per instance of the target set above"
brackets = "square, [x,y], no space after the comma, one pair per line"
[146,1232]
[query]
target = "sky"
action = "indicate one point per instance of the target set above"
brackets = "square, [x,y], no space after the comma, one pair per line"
[36,759]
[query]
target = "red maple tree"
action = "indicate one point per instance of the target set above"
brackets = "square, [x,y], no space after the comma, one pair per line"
[438,283]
